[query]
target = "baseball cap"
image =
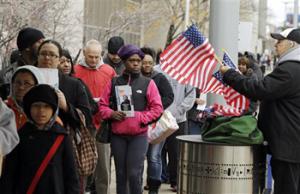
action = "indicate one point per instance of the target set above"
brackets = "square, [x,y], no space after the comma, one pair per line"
[292,34]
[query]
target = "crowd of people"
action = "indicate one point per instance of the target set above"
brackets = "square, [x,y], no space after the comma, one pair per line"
[37,117]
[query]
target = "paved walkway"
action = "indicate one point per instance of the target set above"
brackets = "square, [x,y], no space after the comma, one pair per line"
[164,189]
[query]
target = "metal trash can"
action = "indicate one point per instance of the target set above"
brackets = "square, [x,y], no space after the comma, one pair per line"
[217,168]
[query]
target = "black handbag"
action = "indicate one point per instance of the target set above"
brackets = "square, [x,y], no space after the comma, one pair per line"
[104,134]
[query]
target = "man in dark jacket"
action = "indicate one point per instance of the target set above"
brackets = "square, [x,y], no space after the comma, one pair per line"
[167,96]
[112,58]
[279,116]
[28,41]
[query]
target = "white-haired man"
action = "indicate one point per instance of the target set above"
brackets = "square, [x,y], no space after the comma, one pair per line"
[96,75]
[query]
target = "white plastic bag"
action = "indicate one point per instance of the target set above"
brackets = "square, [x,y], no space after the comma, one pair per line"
[165,126]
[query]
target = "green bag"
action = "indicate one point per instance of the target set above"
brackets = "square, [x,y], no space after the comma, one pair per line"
[232,130]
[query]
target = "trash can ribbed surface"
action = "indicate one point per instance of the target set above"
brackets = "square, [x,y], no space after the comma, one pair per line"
[217,168]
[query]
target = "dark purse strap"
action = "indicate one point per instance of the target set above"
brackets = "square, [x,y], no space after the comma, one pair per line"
[44,164]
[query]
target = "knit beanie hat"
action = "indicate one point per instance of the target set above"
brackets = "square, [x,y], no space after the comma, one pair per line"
[128,50]
[27,37]
[40,93]
[114,44]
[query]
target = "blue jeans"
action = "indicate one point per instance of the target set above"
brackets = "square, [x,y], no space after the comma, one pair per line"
[194,128]
[129,153]
[154,161]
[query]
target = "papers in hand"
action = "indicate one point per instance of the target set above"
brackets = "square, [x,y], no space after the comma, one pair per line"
[124,100]
[50,76]
[202,106]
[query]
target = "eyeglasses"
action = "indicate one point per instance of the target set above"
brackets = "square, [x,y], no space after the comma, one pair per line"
[49,55]
[26,84]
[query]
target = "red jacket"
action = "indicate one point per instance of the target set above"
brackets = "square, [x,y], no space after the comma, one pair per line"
[96,80]
[19,114]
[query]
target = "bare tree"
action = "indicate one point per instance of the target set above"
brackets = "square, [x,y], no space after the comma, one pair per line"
[54,18]
[147,12]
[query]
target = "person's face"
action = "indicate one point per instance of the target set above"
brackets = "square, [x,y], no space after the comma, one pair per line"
[48,56]
[92,55]
[114,58]
[282,46]
[65,65]
[147,64]
[41,113]
[36,45]
[22,83]
[133,64]
[242,67]
[34,48]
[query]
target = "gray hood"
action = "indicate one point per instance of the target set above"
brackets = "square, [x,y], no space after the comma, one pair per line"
[35,72]
[84,64]
[291,55]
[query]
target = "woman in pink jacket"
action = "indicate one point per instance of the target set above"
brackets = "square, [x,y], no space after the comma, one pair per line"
[129,139]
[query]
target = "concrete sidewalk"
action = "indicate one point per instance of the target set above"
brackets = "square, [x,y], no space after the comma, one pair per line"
[164,189]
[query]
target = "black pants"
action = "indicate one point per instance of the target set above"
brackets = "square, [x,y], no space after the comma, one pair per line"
[172,149]
[286,177]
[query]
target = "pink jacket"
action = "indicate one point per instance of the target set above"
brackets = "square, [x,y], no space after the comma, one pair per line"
[132,125]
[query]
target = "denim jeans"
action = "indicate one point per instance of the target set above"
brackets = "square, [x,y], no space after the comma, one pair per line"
[154,161]
[194,128]
[129,153]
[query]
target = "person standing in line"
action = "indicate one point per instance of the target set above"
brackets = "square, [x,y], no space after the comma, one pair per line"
[129,134]
[279,113]
[23,79]
[154,167]
[96,75]
[37,136]
[112,58]
[66,66]
[194,122]
[71,93]
[28,41]
[9,137]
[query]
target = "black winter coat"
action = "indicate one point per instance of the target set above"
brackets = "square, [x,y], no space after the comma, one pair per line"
[164,88]
[60,176]
[279,115]
[76,98]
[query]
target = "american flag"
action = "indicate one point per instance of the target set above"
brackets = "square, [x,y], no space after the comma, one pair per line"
[232,97]
[189,59]
[221,110]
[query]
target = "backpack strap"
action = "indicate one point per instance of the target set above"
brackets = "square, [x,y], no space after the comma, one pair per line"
[44,164]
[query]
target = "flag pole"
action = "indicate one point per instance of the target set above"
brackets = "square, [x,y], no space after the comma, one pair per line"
[218,59]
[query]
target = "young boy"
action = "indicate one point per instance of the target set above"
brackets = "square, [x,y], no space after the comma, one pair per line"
[37,136]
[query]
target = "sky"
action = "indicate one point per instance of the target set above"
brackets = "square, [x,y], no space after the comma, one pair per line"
[277,10]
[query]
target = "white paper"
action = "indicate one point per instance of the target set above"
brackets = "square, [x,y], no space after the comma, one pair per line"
[51,76]
[202,106]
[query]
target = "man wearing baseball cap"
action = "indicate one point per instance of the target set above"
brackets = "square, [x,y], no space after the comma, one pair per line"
[279,115]
[28,41]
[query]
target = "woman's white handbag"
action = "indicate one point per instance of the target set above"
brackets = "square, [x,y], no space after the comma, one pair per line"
[164,127]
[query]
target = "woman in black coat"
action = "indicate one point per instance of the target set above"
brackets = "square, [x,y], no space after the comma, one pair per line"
[71,93]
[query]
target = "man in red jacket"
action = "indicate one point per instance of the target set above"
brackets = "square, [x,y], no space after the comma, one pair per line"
[96,75]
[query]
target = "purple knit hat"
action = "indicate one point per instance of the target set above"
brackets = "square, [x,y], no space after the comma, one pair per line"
[128,50]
